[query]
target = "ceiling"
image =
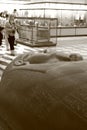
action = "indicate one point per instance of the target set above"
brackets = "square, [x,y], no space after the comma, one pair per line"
[29,1]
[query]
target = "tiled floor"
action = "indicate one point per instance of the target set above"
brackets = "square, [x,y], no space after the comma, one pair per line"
[66,45]
[72,45]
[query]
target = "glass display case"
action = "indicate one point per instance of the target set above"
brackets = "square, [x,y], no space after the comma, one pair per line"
[72,18]
[68,14]
[35,31]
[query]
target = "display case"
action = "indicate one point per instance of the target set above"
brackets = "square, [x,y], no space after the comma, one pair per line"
[72,17]
[36,31]
[68,14]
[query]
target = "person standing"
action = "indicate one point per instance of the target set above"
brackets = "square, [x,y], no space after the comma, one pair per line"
[1,28]
[1,35]
[10,32]
[15,13]
[5,34]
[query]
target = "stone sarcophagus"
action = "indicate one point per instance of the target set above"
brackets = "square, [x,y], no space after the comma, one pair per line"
[39,92]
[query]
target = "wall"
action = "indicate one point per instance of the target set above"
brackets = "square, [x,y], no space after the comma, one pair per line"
[67,1]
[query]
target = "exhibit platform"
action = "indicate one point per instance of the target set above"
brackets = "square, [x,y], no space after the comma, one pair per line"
[36,44]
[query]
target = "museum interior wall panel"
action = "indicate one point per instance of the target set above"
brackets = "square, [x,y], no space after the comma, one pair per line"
[65,1]
[67,31]
[81,31]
